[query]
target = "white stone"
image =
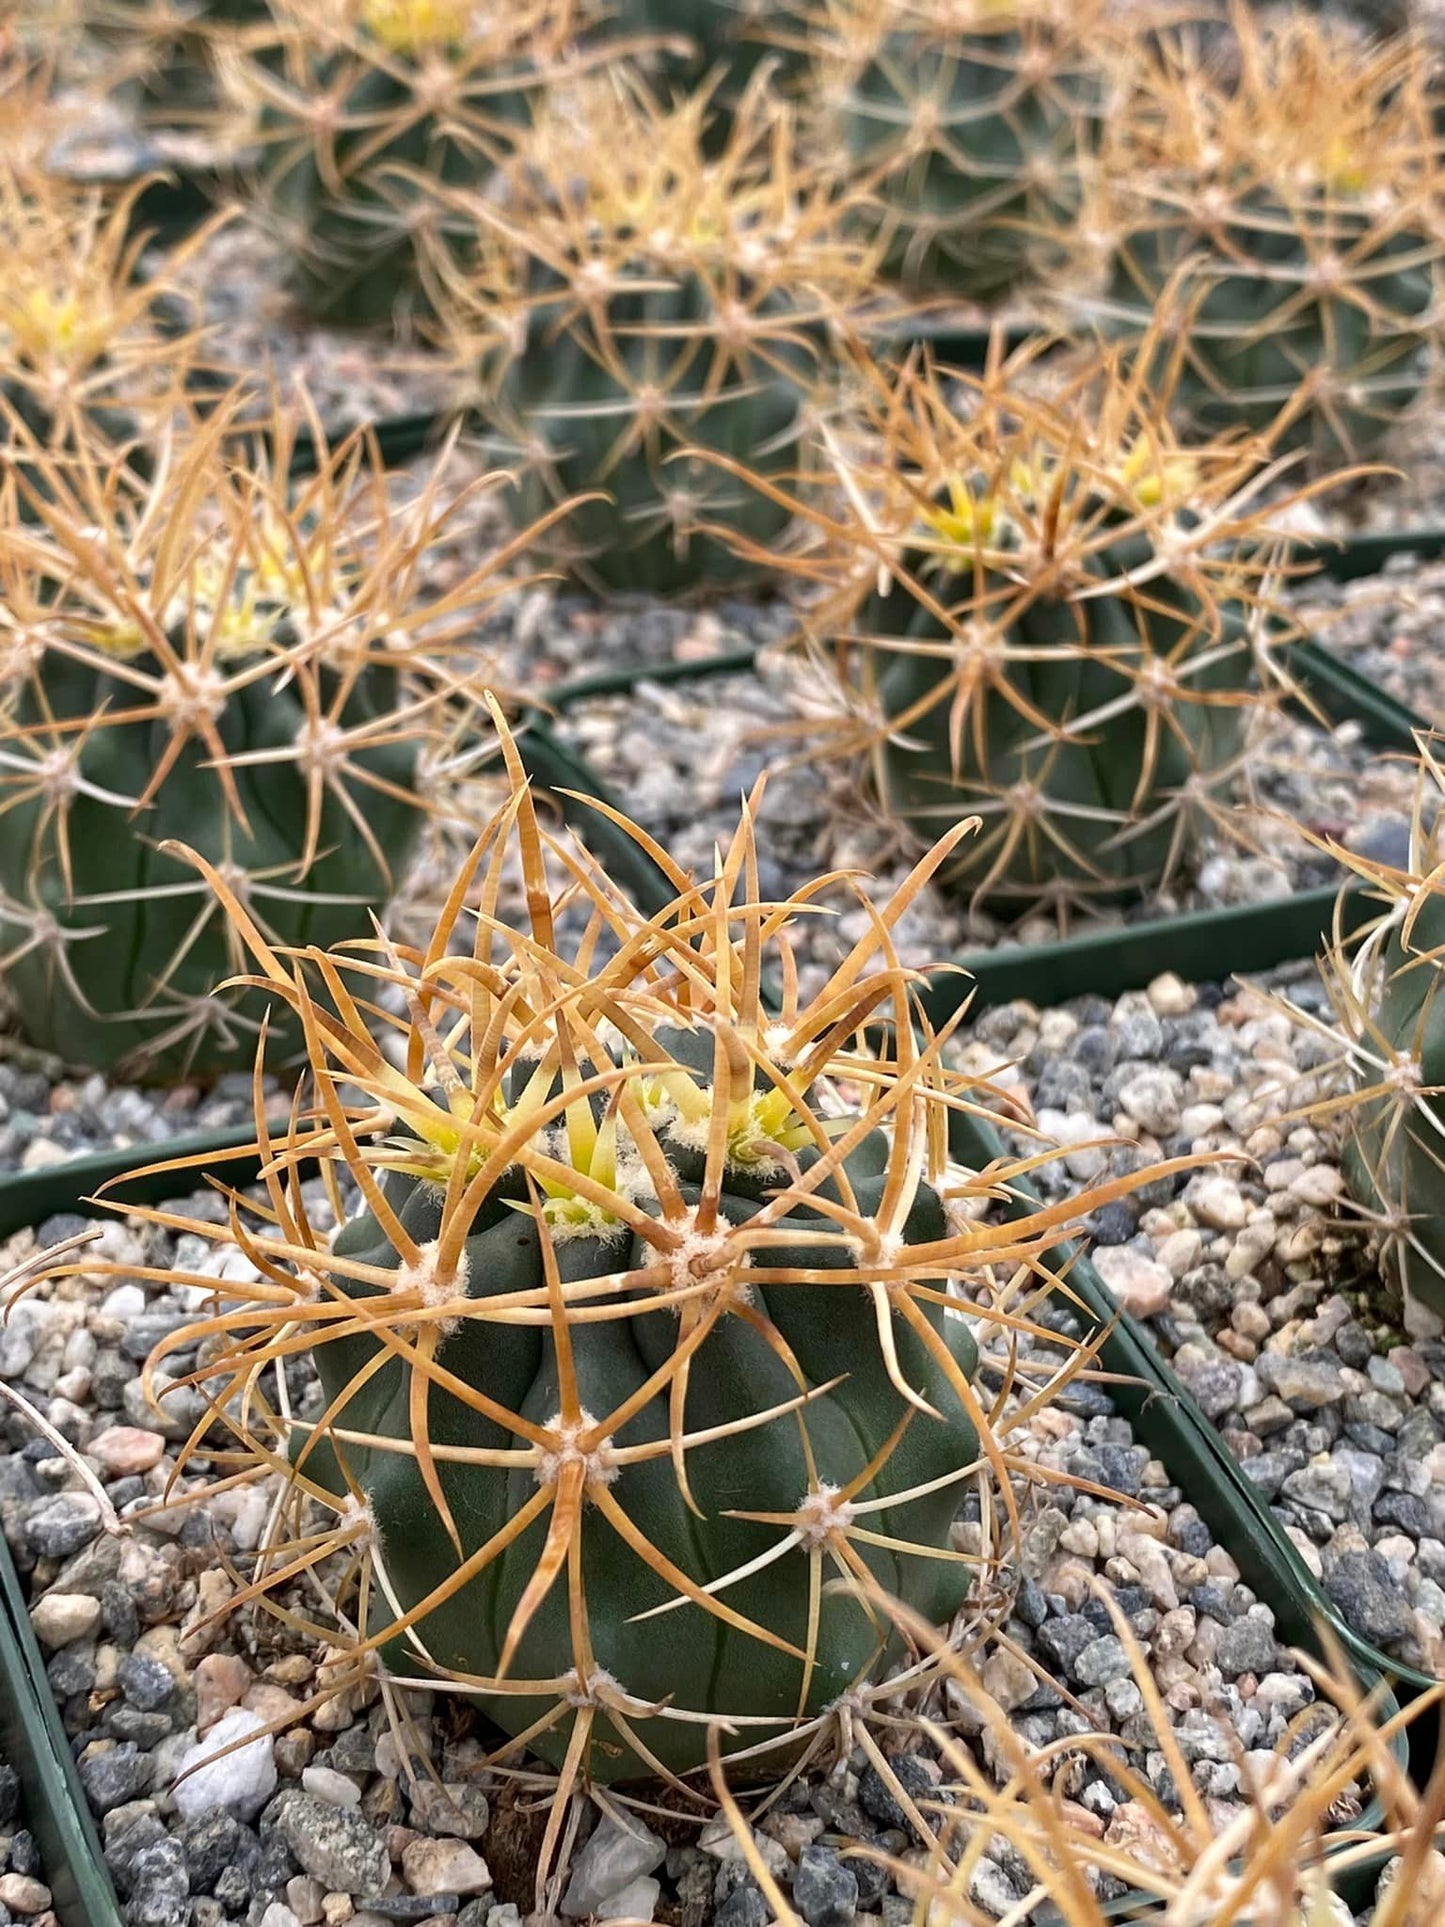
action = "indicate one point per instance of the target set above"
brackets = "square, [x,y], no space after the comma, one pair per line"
[241,1783]
[1180,1252]
[1217,1202]
[124,1303]
[615,1856]
[278,1914]
[637,1901]
[1140,1285]
[61,1617]
[332,1787]
[1170,996]
[1079,1135]
[444,1867]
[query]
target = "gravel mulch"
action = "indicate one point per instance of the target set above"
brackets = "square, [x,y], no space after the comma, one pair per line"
[1253,1278]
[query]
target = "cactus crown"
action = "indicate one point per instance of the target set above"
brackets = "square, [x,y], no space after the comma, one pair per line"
[603,200]
[1305,110]
[80,328]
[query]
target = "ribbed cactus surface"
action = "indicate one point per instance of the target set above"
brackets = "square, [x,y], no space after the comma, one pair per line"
[637,308]
[1040,608]
[366,112]
[1386,986]
[1288,209]
[212,655]
[971,125]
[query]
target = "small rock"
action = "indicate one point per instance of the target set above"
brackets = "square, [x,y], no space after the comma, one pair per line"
[614,1856]
[1102,1661]
[457,1807]
[123,1451]
[1361,1586]
[637,1901]
[61,1617]
[1217,1202]
[1247,1645]
[113,1777]
[335,1788]
[432,1866]
[22,1894]
[334,1844]
[240,1783]
[145,1681]
[825,1890]
[222,1681]
[1140,1284]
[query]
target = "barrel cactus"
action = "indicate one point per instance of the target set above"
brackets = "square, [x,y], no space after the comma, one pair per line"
[1043,610]
[223,652]
[645,1327]
[84,339]
[969,121]
[1286,207]
[1386,986]
[631,301]
[362,108]
[722,42]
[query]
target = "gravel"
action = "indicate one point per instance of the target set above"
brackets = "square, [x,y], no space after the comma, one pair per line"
[1252,1278]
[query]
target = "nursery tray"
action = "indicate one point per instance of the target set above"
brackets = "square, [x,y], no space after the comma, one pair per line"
[33,1742]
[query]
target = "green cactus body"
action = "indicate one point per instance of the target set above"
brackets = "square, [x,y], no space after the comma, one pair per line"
[573,408]
[686,1658]
[130,973]
[972,139]
[1093,809]
[1268,327]
[1280,206]
[727,38]
[1394,1155]
[423,97]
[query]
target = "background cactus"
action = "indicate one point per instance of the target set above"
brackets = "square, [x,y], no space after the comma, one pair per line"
[87,344]
[364,109]
[632,299]
[1041,609]
[1283,197]
[723,41]
[664,1285]
[215,654]
[1386,987]
[969,122]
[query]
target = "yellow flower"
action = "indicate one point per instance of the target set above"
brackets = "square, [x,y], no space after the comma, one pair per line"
[408,26]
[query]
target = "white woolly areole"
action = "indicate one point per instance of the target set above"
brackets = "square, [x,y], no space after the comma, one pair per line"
[592,1691]
[308,1284]
[357,1516]
[702,1253]
[1405,1073]
[599,1465]
[883,1250]
[821,1513]
[426,1281]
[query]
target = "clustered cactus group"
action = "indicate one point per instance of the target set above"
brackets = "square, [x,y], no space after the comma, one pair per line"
[647,1294]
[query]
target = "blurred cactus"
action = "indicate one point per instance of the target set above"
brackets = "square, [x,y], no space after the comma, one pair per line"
[1386,986]
[223,652]
[84,338]
[714,43]
[969,122]
[366,108]
[629,300]
[1041,608]
[1285,203]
